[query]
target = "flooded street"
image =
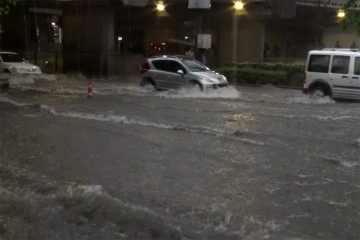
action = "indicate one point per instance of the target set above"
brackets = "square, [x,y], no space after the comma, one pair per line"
[132,163]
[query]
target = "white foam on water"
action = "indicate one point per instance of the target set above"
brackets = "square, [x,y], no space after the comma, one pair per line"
[344,163]
[338,204]
[307,100]
[47,77]
[18,80]
[125,120]
[334,118]
[13,102]
[86,190]
[131,121]
[134,90]
[224,93]
[349,164]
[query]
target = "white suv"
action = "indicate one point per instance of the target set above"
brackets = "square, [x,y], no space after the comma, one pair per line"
[334,73]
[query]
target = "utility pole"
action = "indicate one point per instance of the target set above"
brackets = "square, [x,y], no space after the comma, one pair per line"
[199,6]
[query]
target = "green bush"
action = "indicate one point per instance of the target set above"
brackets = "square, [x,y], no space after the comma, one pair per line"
[278,74]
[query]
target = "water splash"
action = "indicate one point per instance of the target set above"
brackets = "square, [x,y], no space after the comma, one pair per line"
[13,102]
[30,204]
[223,93]
[307,100]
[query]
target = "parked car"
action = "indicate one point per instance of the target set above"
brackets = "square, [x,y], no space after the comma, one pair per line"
[172,72]
[333,72]
[13,63]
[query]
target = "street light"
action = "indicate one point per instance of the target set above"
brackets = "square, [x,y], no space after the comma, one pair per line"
[160,6]
[341,13]
[238,5]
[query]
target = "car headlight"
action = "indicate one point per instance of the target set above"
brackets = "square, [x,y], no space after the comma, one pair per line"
[225,79]
[205,80]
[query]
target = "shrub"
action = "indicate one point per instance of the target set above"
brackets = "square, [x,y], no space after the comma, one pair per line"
[278,74]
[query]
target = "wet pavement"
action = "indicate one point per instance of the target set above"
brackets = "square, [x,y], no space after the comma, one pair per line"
[133,163]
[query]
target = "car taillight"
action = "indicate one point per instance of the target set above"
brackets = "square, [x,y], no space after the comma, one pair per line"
[144,66]
[143,70]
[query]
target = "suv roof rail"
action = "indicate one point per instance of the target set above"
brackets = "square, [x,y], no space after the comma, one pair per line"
[171,56]
[342,49]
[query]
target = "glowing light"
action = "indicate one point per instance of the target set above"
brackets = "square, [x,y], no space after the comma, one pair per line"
[341,13]
[160,6]
[53,23]
[186,37]
[238,5]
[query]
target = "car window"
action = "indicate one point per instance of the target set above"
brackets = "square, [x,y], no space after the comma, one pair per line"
[174,66]
[160,65]
[11,57]
[195,66]
[357,66]
[319,63]
[340,64]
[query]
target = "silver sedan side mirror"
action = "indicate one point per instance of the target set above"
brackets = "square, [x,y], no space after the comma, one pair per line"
[181,72]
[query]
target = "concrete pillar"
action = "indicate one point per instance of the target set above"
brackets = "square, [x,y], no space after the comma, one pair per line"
[89,40]
[246,41]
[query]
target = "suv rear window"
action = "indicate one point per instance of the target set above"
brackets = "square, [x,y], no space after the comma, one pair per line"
[340,64]
[319,63]
[357,66]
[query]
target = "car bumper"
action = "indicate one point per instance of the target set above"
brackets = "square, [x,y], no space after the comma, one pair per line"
[215,86]
[220,85]
[27,73]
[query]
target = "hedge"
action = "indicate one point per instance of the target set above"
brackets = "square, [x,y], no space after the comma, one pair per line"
[278,74]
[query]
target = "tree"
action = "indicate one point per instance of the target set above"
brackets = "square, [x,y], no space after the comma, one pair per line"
[5,6]
[352,17]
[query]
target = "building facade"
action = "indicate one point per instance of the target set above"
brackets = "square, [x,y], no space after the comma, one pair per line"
[110,37]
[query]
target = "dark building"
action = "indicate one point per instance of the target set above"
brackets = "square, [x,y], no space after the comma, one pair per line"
[109,37]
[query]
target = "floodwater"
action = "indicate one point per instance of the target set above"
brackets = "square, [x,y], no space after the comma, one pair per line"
[133,163]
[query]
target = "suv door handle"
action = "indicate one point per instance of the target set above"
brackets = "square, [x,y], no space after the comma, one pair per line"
[344,77]
[355,77]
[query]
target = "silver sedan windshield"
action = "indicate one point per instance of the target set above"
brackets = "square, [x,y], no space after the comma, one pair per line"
[195,66]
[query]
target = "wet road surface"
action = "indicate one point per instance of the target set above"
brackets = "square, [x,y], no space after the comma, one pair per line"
[132,163]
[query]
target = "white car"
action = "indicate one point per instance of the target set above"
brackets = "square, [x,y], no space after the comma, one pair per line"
[333,72]
[12,63]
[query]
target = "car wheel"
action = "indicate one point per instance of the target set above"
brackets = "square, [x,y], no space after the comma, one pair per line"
[318,92]
[148,81]
[196,86]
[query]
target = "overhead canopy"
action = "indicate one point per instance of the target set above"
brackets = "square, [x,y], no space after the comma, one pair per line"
[173,40]
[327,3]
[284,8]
